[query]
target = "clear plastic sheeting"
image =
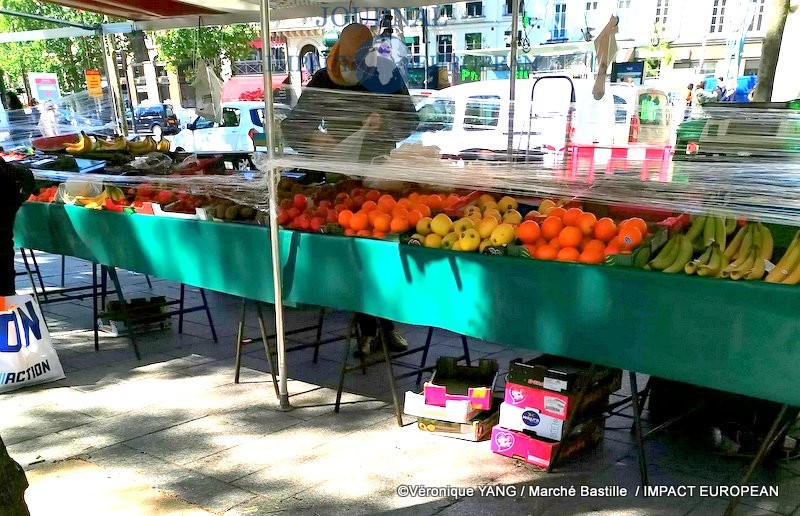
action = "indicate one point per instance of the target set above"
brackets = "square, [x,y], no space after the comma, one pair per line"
[69,114]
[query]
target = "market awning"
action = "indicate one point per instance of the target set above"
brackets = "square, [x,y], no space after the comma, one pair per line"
[240,84]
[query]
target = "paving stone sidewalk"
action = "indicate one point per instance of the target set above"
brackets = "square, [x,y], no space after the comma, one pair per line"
[172,434]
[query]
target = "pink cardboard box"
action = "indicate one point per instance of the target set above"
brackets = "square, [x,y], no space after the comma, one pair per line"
[452,382]
[551,403]
[539,451]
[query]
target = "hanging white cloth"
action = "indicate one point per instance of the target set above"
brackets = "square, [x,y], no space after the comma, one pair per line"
[605,47]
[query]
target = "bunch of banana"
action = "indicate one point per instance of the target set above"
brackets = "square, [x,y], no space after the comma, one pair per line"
[674,256]
[787,270]
[118,143]
[85,144]
[143,147]
[748,253]
[94,203]
[163,145]
[710,263]
[115,193]
[710,229]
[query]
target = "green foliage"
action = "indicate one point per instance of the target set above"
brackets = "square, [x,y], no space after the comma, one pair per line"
[181,47]
[68,58]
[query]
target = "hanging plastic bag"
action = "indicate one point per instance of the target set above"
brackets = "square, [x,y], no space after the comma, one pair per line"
[208,93]
[27,356]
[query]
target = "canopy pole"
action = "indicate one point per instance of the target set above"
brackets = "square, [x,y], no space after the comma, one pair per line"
[274,235]
[512,83]
[113,83]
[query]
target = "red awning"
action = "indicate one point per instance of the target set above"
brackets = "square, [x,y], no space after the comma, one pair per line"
[239,84]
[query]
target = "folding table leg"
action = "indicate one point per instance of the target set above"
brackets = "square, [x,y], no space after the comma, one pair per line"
[63,271]
[239,343]
[38,272]
[320,322]
[30,277]
[348,343]
[180,308]
[94,308]
[265,338]
[637,425]
[425,353]
[779,426]
[390,371]
[465,345]
[208,314]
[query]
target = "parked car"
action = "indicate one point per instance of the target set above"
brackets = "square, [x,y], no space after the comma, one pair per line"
[241,120]
[158,119]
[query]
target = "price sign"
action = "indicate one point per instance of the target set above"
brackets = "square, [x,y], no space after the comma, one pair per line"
[94,84]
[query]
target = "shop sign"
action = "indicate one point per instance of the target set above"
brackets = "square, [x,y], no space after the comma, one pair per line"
[94,83]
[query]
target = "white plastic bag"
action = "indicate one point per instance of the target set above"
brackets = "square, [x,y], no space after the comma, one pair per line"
[208,93]
[27,356]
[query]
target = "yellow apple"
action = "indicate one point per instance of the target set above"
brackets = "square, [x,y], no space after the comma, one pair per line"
[469,210]
[546,206]
[469,240]
[475,217]
[490,206]
[486,226]
[462,225]
[494,214]
[484,244]
[483,199]
[531,215]
[456,246]
[433,240]
[448,240]
[419,238]
[503,234]
[441,224]
[424,226]
[507,203]
[512,217]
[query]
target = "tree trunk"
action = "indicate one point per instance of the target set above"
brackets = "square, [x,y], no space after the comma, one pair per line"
[770,50]
[12,486]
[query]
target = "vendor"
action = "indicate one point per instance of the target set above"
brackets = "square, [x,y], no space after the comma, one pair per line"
[342,99]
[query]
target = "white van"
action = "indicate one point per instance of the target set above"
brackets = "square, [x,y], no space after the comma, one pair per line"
[474,116]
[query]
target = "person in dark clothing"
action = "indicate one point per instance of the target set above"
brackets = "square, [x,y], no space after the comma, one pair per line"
[18,120]
[15,186]
[342,99]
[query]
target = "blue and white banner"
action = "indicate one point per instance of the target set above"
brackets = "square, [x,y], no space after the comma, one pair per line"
[27,356]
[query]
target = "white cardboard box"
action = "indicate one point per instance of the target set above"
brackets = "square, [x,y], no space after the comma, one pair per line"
[530,419]
[454,411]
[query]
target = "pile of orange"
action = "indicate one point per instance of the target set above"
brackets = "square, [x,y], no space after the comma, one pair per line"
[574,235]
[373,214]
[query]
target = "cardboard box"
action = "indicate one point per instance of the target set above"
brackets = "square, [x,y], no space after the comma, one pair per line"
[562,375]
[539,451]
[453,382]
[476,429]
[454,411]
[118,328]
[532,420]
[554,404]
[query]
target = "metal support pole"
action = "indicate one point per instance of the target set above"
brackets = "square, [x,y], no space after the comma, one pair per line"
[269,118]
[512,83]
[424,12]
[113,82]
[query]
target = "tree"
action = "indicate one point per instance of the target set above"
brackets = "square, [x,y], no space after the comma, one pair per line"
[12,488]
[180,47]
[770,50]
[68,58]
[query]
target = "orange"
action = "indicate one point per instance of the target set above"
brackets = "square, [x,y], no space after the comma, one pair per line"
[554,244]
[386,203]
[605,229]
[568,254]
[435,202]
[528,232]
[571,216]
[344,218]
[373,195]
[398,212]
[364,233]
[423,209]
[359,221]
[557,212]
[399,225]
[531,249]
[382,223]
[570,236]
[403,203]
[413,197]
[586,222]
[540,241]
[592,256]
[378,234]
[452,200]
[629,237]
[413,217]
[594,245]
[374,214]
[545,252]
[636,222]
[369,206]
[551,227]
[349,232]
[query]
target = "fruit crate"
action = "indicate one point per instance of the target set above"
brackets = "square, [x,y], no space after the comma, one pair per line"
[639,256]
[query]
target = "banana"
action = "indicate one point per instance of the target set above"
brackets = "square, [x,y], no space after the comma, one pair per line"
[696,229]
[793,278]
[787,263]
[685,251]
[733,247]
[747,244]
[692,266]
[142,147]
[118,144]
[714,265]
[723,264]
[730,225]
[767,242]
[709,231]
[163,146]
[115,193]
[757,272]
[85,144]
[667,255]
[720,235]
[743,269]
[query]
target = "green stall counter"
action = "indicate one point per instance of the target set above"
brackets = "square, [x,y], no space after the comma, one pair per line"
[739,337]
